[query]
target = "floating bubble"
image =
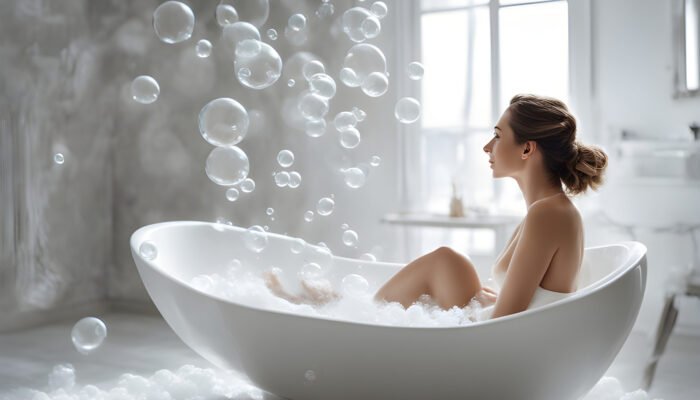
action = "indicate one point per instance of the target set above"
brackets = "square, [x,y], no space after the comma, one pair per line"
[354,285]
[297,22]
[282,179]
[316,128]
[255,238]
[313,107]
[325,10]
[270,211]
[349,77]
[272,34]
[237,32]
[88,334]
[354,177]
[322,85]
[223,122]
[310,271]
[350,238]
[248,185]
[352,23]
[285,158]
[291,82]
[203,48]
[325,206]
[350,138]
[227,166]
[312,68]
[226,15]
[368,257]
[298,245]
[173,22]
[360,115]
[376,160]
[265,66]
[371,27]
[309,216]
[294,179]
[415,70]
[232,194]
[148,250]
[310,376]
[375,85]
[407,110]
[379,9]
[58,158]
[145,89]
[365,59]
[344,120]
[267,228]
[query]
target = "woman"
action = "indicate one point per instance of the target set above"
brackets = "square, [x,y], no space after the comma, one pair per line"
[534,142]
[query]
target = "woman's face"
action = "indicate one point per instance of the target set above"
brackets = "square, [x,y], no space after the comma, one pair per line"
[505,155]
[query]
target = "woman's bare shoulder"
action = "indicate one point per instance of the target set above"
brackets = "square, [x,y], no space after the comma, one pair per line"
[555,212]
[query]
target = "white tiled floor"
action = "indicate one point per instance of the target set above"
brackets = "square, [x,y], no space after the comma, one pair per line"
[142,344]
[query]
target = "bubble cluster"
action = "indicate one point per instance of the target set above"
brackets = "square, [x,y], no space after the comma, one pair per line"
[257,64]
[365,66]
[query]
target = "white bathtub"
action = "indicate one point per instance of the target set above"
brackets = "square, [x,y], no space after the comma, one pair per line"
[558,351]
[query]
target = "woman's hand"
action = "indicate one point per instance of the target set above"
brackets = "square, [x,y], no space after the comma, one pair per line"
[486,296]
[315,292]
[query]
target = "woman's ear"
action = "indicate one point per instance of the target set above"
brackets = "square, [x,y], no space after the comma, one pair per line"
[530,147]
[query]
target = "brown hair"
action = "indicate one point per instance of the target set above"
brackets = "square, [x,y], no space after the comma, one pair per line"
[548,122]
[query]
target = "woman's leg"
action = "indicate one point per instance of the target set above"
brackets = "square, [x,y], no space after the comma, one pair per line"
[447,276]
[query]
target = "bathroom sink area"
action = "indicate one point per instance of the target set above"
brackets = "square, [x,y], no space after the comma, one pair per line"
[674,159]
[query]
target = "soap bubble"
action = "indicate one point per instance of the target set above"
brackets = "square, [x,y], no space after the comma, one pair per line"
[344,120]
[285,158]
[148,250]
[265,66]
[354,284]
[352,23]
[291,82]
[88,334]
[325,206]
[350,138]
[232,194]
[310,271]
[354,177]
[322,85]
[294,179]
[371,27]
[61,377]
[282,179]
[312,106]
[227,166]
[272,34]
[325,10]
[203,48]
[237,32]
[375,85]
[316,128]
[312,68]
[368,257]
[255,238]
[349,77]
[297,22]
[360,115]
[298,245]
[58,158]
[310,375]
[226,15]
[309,216]
[173,22]
[376,160]
[270,211]
[223,122]
[350,238]
[248,185]
[364,59]
[379,9]
[407,110]
[145,89]
[415,70]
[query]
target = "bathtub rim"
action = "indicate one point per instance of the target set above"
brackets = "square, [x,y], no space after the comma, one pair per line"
[636,254]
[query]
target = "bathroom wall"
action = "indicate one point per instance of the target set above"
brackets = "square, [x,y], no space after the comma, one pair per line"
[632,90]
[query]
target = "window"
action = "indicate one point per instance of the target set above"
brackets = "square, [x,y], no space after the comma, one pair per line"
[471,73]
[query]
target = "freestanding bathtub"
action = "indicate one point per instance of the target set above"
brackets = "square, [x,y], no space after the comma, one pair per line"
[558,351]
